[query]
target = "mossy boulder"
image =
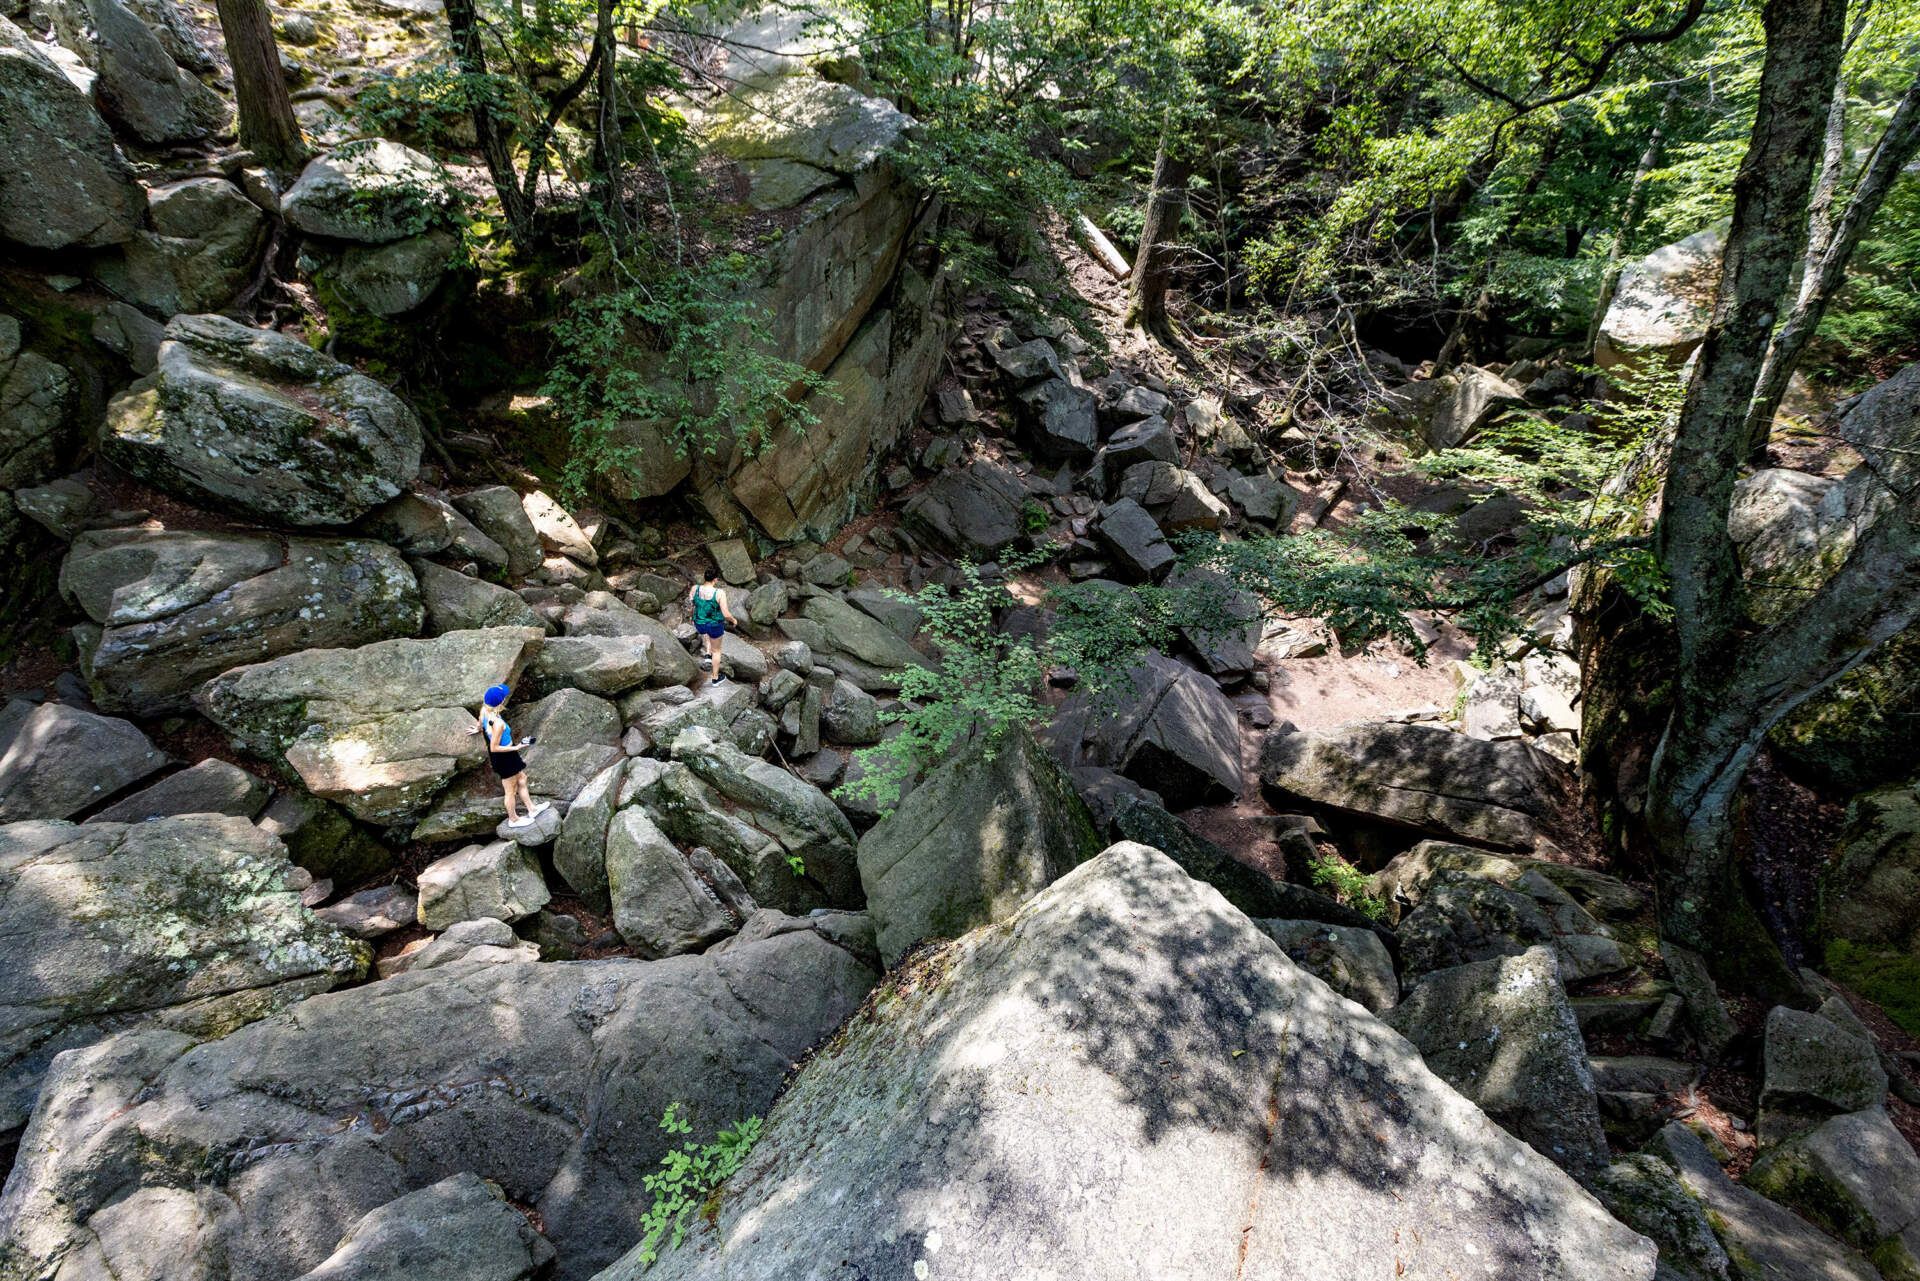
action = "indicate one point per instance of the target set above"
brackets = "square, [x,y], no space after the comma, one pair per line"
[183,922]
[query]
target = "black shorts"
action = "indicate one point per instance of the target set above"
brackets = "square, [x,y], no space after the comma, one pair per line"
[506,764]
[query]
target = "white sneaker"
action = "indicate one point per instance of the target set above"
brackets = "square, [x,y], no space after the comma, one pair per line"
[540,809]
[520,822]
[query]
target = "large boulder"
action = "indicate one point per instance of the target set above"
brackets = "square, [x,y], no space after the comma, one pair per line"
[459,1229]
[248,1158]
[381,729]
[1502,1033]
[1416,777]
[1449,409]
[1857,1177]
[992,826]
[1134,539]
[1814,1068]
[661,905]
[1353,962]
[1062,420]
[171,609]
[1163,725]
[1661,307]
[372,191]
[1127,1079]
[38,400]
[63,183]
[393,279]
[808,826]
[1644,1193]
[1763,1239]
[184,923]
[57,761]
[497,512]
[1870,896]
[860,634]
[211,787]
[139,87]
[1453,904]
[260,424]
[205,241]
[456,602]
[499,882]
[972,513]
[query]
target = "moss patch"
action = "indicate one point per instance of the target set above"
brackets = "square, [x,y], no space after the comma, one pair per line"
[1890,980]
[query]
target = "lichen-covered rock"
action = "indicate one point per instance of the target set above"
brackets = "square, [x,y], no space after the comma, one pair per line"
[258,423]
[181,922]
[63,183]
[808,826]
[374,191]
[211,787]
[861,635]
[1858,1178]
[497,512]
[1813,1065]
[459,1229]
[1353,962]
[320,837]
[1166,1094]
[171,609]
[1644,1193]
[380,729]
[973,513]
[1501,1032]
[455,602]
[38,401]
[992,826]
[1761,1239]
[1419,777]
[1660,310]
[1871,894]
[1163,725]
[607,665]
[57,761]
[250,1157]
[501,881]
[660,905]
[1452,904]
[393,279]
[202,251]
[139,87]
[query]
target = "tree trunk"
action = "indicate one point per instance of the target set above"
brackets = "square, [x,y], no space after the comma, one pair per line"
[1480,311]
[1153,265]
[606,131]
[1719,717]
[268,127]
[1830,248]
[1629,221]
[495,143]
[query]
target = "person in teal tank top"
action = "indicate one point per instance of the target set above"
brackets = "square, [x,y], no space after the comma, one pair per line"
[711,616]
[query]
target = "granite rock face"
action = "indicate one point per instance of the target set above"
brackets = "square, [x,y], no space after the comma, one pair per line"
[260,424]
[171,609]
[184,923]
[63,183]
[58,761]
[248,1158]
[1127,1079]
[381,729]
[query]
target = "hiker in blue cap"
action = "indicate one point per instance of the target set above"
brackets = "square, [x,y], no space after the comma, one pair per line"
[504,756]
[711,616]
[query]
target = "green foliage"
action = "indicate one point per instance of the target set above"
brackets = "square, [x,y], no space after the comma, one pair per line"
[689,1179]
[986,682]
[684,361]
[1889,979]
[796,865]
[1348,884]
[1033,517]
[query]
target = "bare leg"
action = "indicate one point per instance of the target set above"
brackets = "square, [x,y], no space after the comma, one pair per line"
[713,649]
[507,786]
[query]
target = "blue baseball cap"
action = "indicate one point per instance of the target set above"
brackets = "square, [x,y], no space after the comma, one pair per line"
[496,695]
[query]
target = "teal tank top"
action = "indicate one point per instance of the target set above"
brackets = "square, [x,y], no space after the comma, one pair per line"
[706,609]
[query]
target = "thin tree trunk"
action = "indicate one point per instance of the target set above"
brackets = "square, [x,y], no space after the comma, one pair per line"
[268,127]
[1718,717]
[1826,271]
[1629,220]
[1153,265]
[606,133]
[495,144]
[1481,309]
